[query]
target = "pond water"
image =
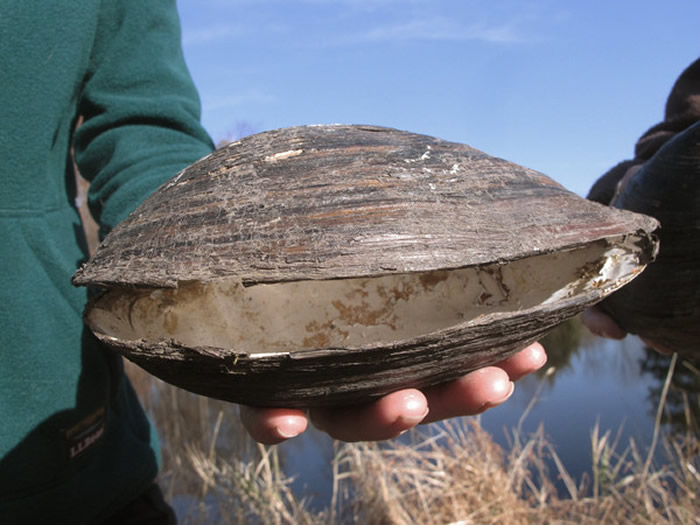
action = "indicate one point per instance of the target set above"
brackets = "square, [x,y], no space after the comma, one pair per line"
[616,384]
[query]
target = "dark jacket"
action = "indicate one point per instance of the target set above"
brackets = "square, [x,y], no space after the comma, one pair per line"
[74,442]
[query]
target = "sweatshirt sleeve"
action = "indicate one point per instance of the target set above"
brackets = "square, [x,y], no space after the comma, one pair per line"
[139,107]
[682,111]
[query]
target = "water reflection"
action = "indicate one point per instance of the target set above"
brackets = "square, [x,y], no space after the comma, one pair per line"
[682,409]
[598,382]
[561,344]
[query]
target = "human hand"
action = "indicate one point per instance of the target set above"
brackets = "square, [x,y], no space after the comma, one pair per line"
[601,324]
[399,411]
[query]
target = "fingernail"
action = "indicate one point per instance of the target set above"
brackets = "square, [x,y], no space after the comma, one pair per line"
[286,434]
[540,359]
[413,403]
[413,420]
[416,410]
[287,431]
[505,398]
[510,391]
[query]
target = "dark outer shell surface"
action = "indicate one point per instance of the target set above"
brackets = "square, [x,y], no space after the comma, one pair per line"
[663,303]
[330,202]
[327,202]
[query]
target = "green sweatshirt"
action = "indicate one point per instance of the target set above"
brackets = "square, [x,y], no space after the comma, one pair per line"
[74,443]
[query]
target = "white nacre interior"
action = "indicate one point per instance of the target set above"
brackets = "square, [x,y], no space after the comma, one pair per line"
[356,312]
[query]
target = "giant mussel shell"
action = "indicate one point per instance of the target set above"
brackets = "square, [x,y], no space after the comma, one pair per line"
[322,265]
[663,304]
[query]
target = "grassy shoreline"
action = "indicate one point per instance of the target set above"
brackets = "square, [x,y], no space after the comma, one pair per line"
[448,473]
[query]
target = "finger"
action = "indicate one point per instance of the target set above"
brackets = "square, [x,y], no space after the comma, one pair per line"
[528,360]
[602,324]
[471,394]
[382,419]
[272,425]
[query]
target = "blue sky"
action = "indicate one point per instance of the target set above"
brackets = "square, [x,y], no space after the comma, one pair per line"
[562,87]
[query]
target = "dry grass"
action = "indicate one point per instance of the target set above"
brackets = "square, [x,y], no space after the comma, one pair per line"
[448,473]
[455,475]
[461,476]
